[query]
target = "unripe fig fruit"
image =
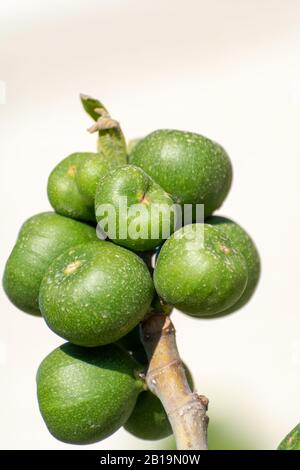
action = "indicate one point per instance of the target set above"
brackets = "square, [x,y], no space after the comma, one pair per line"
[133,210]
[149,420]
[41,239]
[245,245]
[90,172]
[190,167]
[85,395]
[199,271]
[95,293]
[292,440]
[63,192]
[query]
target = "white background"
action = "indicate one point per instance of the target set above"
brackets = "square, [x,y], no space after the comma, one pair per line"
[228,69]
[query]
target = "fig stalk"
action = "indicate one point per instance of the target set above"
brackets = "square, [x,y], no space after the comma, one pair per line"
[166,378]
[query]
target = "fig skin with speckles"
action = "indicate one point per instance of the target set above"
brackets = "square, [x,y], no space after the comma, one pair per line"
[86,394]
[63,192]
[95,293]
[191,168]
[242,241]
[41,239]
[199,271]
[142,196]
[91,170]
[72,184]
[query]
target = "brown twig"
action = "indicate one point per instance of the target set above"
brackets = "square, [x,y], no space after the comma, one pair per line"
[167,380]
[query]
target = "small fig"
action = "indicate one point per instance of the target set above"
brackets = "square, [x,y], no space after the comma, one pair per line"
[63,192]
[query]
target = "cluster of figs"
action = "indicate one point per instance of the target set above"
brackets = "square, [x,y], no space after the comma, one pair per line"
[94,291]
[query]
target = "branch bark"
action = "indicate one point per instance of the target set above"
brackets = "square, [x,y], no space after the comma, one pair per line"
[166,379]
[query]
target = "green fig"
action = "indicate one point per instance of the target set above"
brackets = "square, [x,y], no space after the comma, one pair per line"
[41,239]
[133,210]
[86,394]
[292,440]
[92,169]
[199,271]
[189,167]
[245,245]
[95,293]
[63,191]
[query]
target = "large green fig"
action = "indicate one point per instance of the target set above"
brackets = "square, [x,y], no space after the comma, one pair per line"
[133,210]
[190,167]
[95,293]
[199,271]
[85,395]
[41,239]
[292,440]
[243,243]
